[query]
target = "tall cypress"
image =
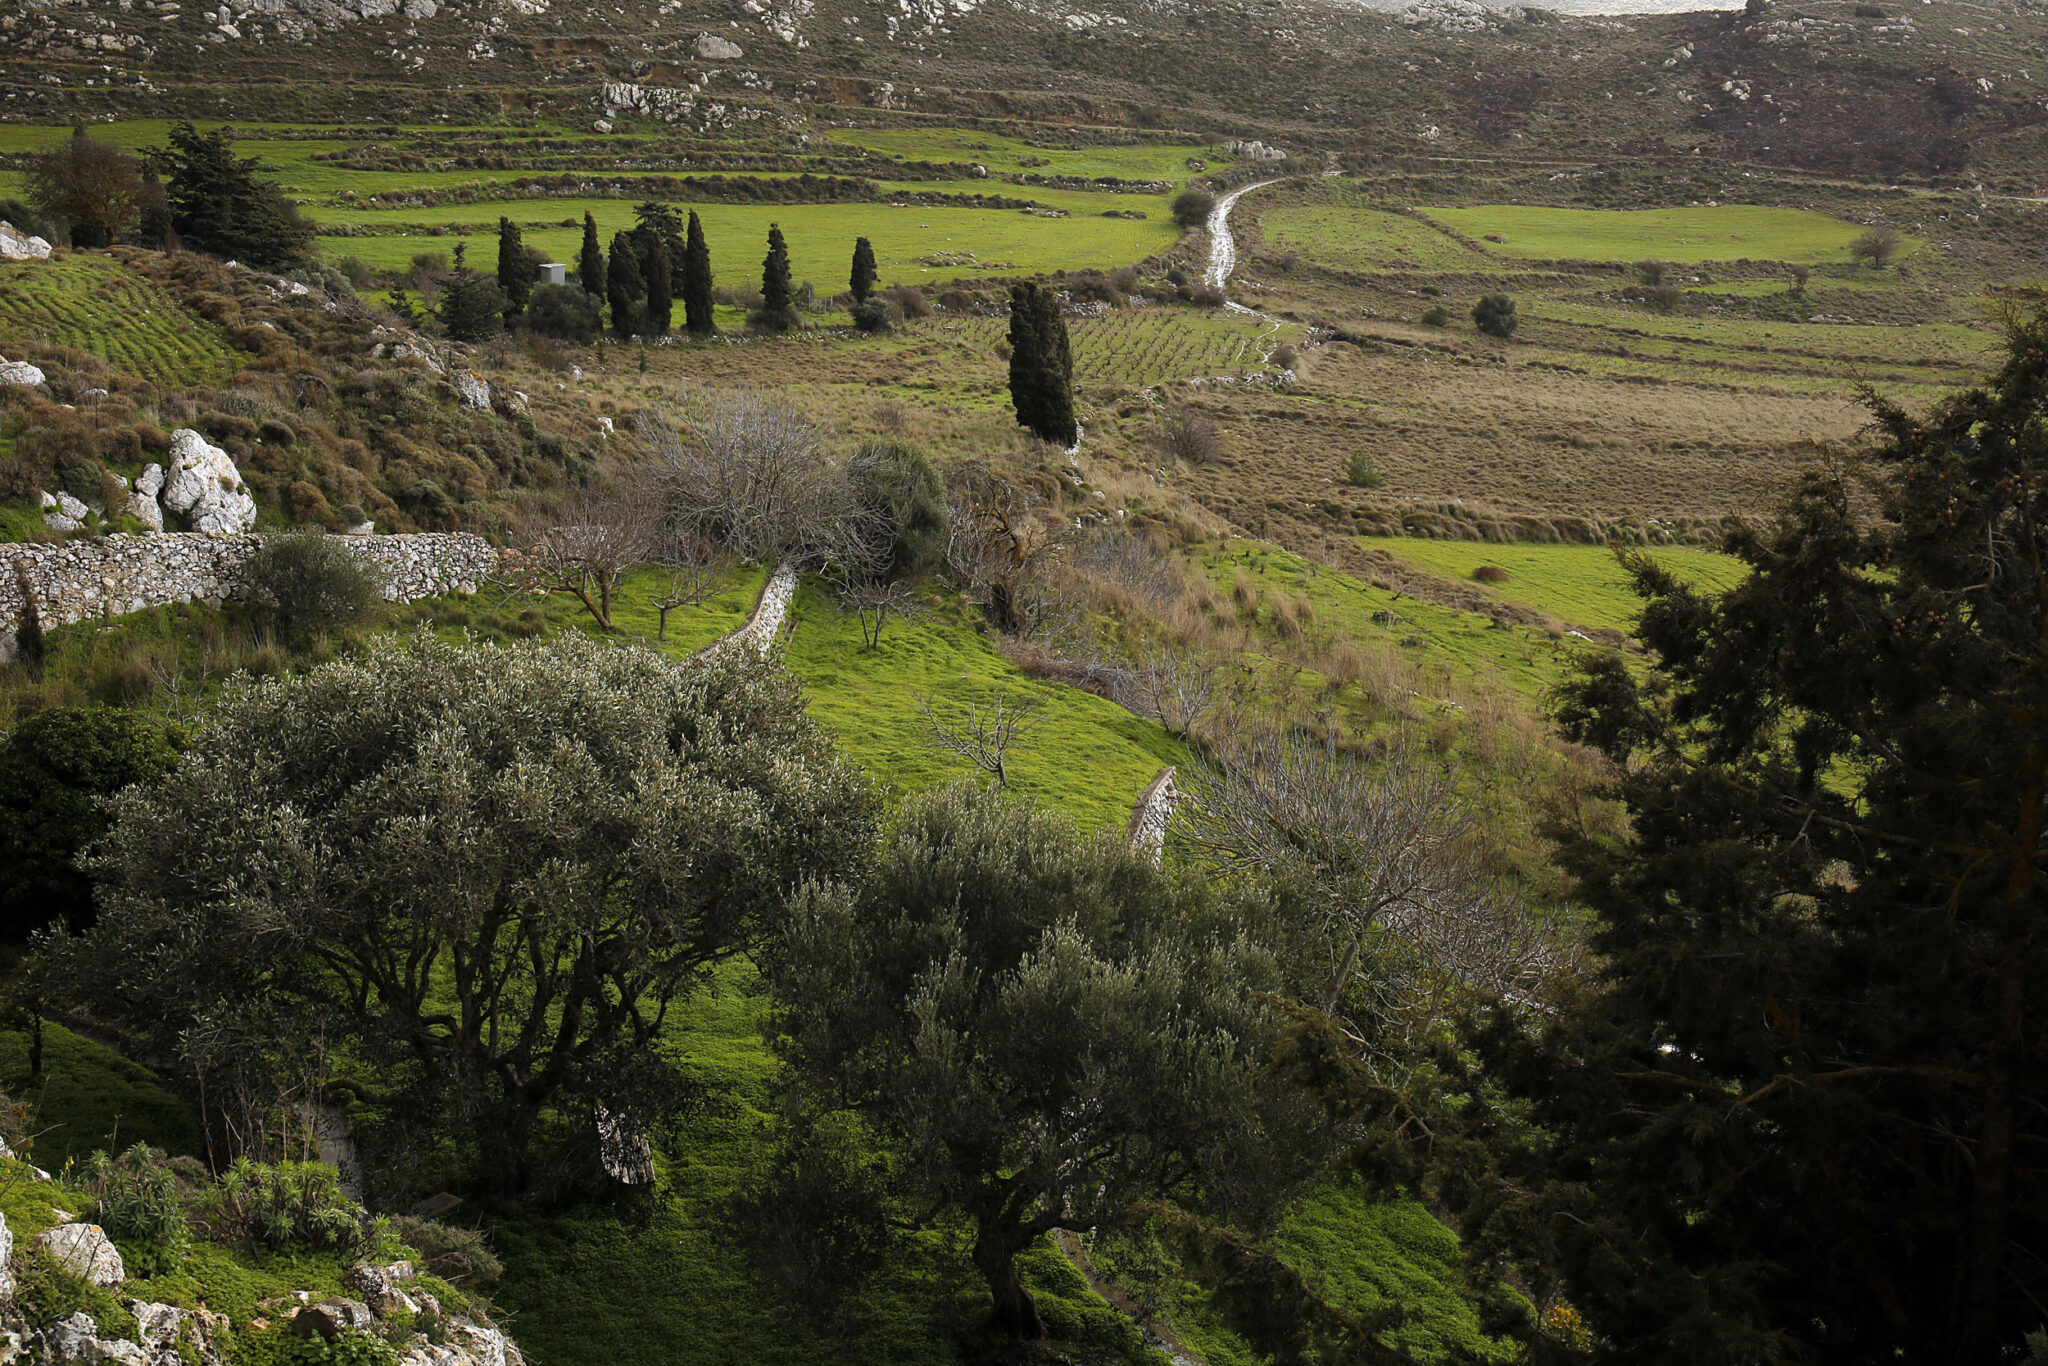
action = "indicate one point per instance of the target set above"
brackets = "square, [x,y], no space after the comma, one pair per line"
[864,272]
[1041,365]
[624,288]
[654,265]
[778,297]
[590,263]
[697,281]
[515,270]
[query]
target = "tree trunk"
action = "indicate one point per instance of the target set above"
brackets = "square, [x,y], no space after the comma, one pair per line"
[1016,1313]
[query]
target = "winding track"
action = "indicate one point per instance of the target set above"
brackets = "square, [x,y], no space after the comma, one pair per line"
[1223,246]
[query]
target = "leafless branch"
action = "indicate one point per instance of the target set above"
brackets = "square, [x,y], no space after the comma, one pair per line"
[589,552]
[984,730]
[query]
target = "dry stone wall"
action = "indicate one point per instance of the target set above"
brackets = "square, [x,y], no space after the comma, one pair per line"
[107,576]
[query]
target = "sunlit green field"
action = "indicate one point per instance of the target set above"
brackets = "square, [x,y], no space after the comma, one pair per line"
[1725,232]
[1580,585]
[95,304]
[1004,155]
[1366,240]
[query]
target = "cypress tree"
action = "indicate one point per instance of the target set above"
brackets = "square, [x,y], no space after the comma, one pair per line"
[515,270]
[624,288]
[654,265]
[590,263]
[1041,365]
[697,281]
[220,203]
[864,272]
[778,305]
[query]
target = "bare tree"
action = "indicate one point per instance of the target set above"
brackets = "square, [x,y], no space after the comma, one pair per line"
[94,186]
[1878,246]
[1186,434]
[693,568]
[1005,555]
[589,553]
[1174,685]
[749,471]
[985,730]
[874,600]
[1381,845]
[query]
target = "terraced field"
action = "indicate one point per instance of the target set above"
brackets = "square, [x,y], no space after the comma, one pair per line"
[1725,232]
[94,304]
[1367,240]
[1579,585]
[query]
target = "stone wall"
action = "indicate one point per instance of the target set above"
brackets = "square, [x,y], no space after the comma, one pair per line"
[106,576]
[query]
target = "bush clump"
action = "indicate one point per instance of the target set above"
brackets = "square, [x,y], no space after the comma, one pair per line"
[289,1207]
[312,584]
[137,1200]
[460,1256]
[564,311]
[1362,474]
[874,315]
[1495,315]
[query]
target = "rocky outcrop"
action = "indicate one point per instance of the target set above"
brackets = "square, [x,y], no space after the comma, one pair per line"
[713,48]
[473,389]
[85,1250]
[205,486]
[106,576]
[16,245]
[20,373]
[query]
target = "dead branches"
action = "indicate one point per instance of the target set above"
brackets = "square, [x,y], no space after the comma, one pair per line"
[985,730]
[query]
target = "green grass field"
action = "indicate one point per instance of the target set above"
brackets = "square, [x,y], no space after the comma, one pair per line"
[1724,232]
[95,304]
[1366,240]
[1580,585]
[1008,155]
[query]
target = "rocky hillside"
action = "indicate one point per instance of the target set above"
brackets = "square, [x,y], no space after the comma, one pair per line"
[1942,89]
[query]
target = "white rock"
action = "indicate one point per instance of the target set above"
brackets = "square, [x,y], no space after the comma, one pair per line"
[20,372]
[6,1266]
[85,1250]
[205,486]
[156,1324]
[151,481]
[145,509]
[472,389]
[16,245]
[713,48]
[71,507]
[71,1338]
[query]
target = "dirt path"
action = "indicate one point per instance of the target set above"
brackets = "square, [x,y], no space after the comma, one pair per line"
[1223,246]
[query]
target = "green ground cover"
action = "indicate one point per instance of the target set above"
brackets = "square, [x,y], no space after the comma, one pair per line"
[1459,646]
[1580,585]
[90,1097]
[1007,155]
[820,237]
[96,304]
[1088,758]
[1366,240]
[1131,348]
[1725,232]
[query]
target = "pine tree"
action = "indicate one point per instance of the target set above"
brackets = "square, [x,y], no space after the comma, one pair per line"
[590,262]
[220,203]
[471,305]
[1799,1114]
[654,265]
[778,302]
[864,272]
[697,281]
[624,289]
[1041,365]
[515,270]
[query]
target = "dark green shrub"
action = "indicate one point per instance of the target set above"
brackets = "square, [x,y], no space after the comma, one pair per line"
[137,1201]
[311,584]
[1437,316]
[564,311]
[1191,207]
[897,482]
[289,1207]
[873,315]
[460,1256]
[1362,474]
[1495,315]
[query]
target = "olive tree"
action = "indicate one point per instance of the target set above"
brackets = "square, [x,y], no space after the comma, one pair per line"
[479,876]
[1047,1029]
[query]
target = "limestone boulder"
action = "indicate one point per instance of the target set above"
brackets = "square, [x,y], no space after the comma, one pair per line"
[473,389]
[330,1318]
[380,1291]
[85,1251]
[20,373]
[16,245]
[205,487]
[142,499]
[713,48]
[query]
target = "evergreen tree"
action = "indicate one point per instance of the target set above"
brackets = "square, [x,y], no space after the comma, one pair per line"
[1801,1114]
[1041,365]
[697,281]
[590,261]
[471,306]
[220,203]
[778,297]
[864,272]
[515,270]
[624,288]
[654,265]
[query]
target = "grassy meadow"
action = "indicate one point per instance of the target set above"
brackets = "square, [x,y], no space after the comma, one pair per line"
[94,304]
[1721,232]
[1581,586]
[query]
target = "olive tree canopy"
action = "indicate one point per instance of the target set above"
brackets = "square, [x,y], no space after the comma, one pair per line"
[479,875]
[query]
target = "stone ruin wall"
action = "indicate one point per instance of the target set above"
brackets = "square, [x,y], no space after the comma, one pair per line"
[107,576]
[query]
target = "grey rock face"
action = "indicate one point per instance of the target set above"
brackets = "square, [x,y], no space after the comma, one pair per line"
[85,1250]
